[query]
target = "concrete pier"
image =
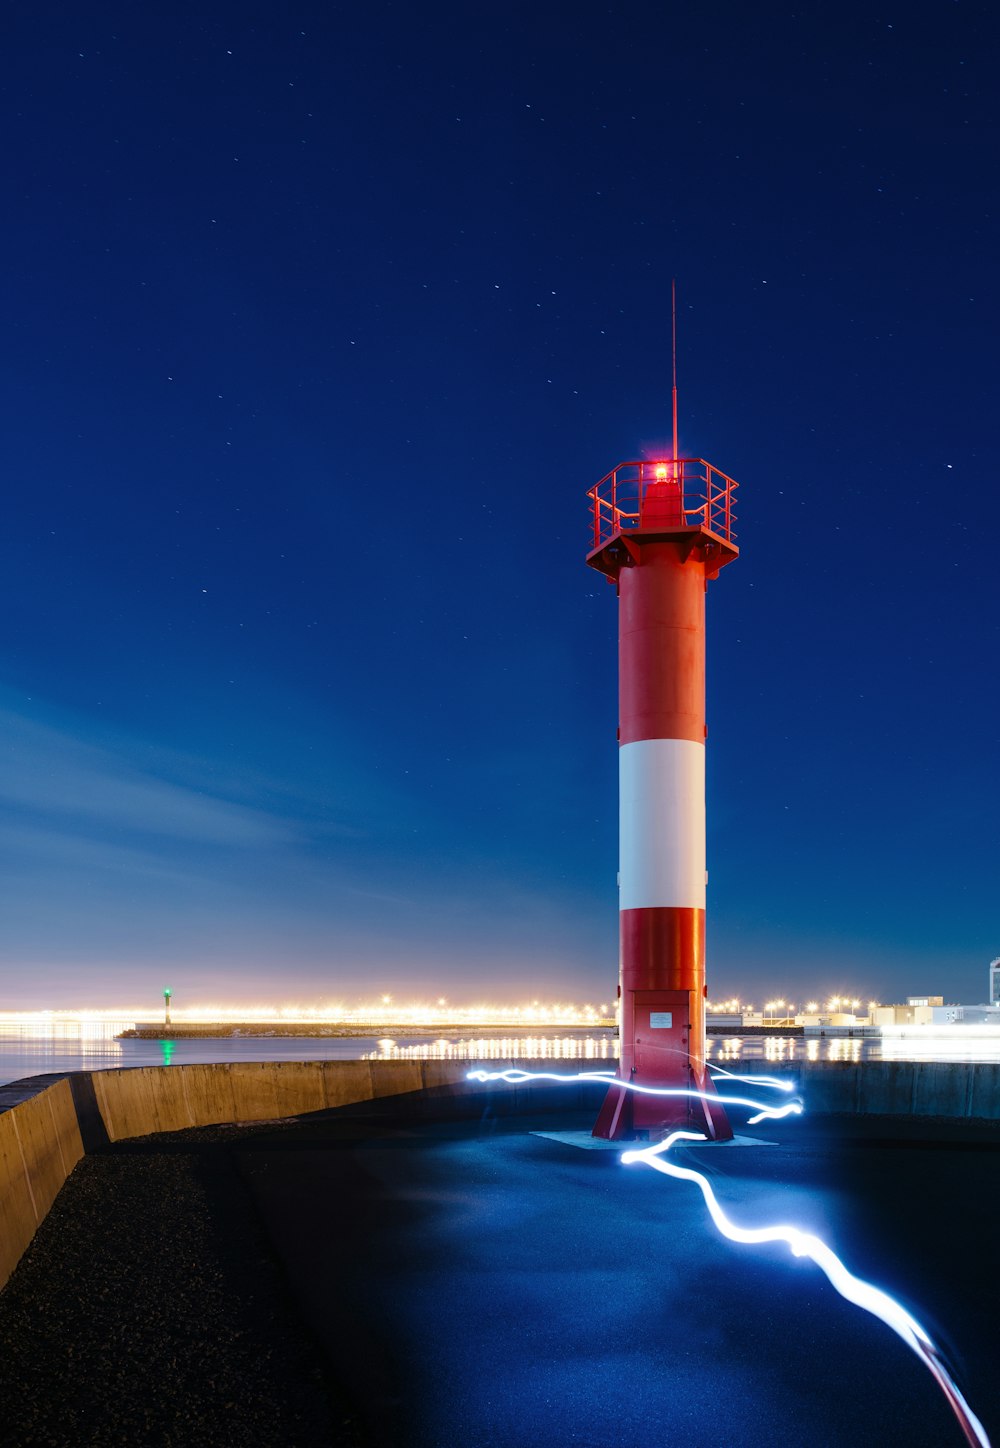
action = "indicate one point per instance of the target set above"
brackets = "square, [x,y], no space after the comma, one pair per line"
[47,1123]
[420,1270]
[40,1144]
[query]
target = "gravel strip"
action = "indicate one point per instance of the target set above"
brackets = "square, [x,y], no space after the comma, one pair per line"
[149,1310]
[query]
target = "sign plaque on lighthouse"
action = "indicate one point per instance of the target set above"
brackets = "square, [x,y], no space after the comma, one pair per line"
[662,529]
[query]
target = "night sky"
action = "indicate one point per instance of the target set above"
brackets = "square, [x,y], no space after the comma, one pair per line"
[319,322]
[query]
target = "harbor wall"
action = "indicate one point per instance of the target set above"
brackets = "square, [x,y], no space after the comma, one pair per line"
[48,1123]
[146,1099]
[968,1091]
[40,1144]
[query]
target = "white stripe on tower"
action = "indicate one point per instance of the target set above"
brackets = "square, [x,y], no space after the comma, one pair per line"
[662,824]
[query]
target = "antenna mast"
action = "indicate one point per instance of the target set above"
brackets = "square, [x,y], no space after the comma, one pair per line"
[673,328]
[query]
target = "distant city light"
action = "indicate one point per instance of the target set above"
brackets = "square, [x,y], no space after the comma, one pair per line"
[383,1011]
[435,1011]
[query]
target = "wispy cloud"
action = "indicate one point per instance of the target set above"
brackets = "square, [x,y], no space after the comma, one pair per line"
[117,851]
[59,782]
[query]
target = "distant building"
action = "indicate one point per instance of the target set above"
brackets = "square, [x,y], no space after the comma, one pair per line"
[930,1010]
[918,1011]
[966,1016]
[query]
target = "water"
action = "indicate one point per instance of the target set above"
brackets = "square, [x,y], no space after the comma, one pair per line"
[950,1045]
[41,1047]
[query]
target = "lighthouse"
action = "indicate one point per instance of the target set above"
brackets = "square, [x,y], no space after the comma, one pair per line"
[661,531]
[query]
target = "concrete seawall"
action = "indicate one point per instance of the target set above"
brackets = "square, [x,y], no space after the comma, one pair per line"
[47,1123]
[149,1099]
[960,1090]
[40,1144]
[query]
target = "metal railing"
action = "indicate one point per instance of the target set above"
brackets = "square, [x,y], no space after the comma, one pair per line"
[662,496]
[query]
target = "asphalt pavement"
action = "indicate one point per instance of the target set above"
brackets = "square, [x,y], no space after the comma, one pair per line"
[480,1284]
[383,1277]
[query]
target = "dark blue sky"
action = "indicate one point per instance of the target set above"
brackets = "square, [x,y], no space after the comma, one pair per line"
[320,320]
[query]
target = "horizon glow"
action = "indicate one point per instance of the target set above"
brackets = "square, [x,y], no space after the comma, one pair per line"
[385,1010]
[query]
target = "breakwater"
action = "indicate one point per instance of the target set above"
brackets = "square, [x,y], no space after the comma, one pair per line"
[47,1123]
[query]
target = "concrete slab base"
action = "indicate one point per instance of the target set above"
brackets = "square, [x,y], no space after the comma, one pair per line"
[736,1141]
[586,1142]
[582,1139]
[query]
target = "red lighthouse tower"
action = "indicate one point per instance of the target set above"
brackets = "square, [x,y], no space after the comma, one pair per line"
[661,531]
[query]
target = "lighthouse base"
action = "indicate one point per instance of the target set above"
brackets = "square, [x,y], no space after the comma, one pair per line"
[658,1030]
[617,1118]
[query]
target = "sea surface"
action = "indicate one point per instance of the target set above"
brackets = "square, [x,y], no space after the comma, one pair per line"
[40,1048]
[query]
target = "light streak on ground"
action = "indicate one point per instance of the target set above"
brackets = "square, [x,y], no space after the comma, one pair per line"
[515,1076]
[802,1244]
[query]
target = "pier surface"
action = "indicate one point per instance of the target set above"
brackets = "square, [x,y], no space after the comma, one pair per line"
[372,1278]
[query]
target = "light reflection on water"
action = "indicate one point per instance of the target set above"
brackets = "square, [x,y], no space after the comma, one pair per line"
[945,1046]
[791,1049]
[41,1047]
[776,1050]
[36,1048]
[500,1048]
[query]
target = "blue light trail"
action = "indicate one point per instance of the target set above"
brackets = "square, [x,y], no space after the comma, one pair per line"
[514,1075]
[802,1244]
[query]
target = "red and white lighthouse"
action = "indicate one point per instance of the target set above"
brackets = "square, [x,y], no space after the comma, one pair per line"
[661,531]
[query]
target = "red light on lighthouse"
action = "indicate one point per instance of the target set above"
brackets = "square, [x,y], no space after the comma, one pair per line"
[660,532]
